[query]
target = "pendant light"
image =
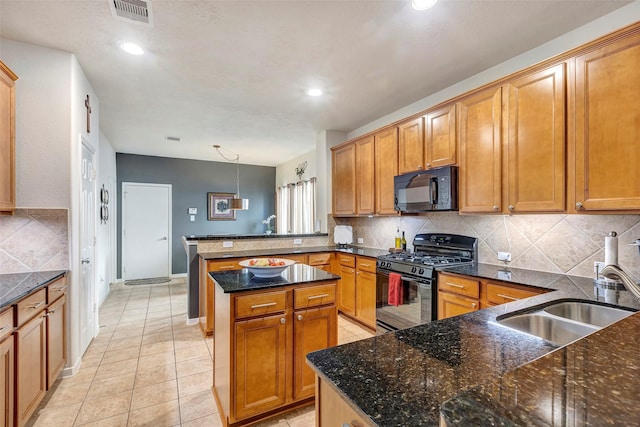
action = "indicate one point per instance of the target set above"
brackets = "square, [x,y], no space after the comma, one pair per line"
[236,203]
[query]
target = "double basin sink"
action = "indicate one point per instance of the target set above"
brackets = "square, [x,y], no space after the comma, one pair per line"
[562,322]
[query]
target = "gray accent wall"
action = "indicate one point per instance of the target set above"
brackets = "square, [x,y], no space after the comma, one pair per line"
[191,180]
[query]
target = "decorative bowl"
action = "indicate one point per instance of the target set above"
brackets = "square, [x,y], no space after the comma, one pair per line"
[266,270]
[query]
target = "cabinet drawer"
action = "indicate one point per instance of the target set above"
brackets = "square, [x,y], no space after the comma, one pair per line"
[500,294]
[260,304]
[319,259]
[459,285]
[366,264]
[31,305]
[347,260]
[56,289]
[314,295]
[299,259]
[231,264]
[6,323]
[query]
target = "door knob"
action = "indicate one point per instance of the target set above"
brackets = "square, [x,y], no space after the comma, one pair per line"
[85,260]
[299,316]
[163,238]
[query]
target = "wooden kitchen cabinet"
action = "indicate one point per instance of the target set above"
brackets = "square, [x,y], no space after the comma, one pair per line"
[481,152]
[386,167]
[366,291]
[332,410]
[365,178]
[497,293]
[347,290]
[7,140]
[7,368]
[441,137]
[450,305]
[606,117]
[536,142]
[411,145]
[56,339]
[298,258]
[344,180]
[323,261]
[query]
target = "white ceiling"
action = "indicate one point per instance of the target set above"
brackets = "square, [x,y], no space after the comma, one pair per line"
[235,72]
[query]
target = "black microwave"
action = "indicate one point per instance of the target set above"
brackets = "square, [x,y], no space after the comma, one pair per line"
[427,190]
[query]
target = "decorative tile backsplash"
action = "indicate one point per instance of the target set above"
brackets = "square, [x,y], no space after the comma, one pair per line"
[557,243]
[34,240]
[252,244]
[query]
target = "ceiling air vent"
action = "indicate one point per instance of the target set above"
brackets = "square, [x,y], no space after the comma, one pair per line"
[132,10]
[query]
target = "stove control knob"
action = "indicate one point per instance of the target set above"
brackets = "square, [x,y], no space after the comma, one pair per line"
[421,271]
[413,269]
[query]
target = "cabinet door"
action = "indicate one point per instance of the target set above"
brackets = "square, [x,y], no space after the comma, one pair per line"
[366,298]
[31,366]
[56,339]
[333,411]
[607,131]
[347,290]
[7,139]
[344,180]
[386,167]
[314,329]
[411,146]
[440,142]
[450,305]
[480,152]
[365,203]
[536,142]
[7,383]
[260,365]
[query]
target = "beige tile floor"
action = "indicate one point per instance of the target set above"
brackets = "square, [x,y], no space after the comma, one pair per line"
[147,367]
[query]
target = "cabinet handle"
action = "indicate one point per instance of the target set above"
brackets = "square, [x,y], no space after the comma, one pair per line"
[495,208]
[428,165]
[579,205]
[52,311]
[508,297]
[419,166]
[283,320]
[61,289]
[473,304]
[3,328]
[266,304]
[227,267]
[455,285]
[299,316]
[365,265]
[511,208]
[317,296]
[36,305]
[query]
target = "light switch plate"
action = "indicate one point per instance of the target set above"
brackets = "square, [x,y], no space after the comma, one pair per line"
[504,256]
[297,241]
[227,244]
[192,218]
[360,240]
[193,211]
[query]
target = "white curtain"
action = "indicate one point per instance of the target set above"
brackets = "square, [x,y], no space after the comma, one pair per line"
[297,207]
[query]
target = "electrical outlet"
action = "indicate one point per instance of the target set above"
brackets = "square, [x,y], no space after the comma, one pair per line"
[192,218]
[360,240]
[227,244]
[504,256]
[297,241]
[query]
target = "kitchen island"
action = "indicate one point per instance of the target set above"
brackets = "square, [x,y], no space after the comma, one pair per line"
[264,328]
[472,363]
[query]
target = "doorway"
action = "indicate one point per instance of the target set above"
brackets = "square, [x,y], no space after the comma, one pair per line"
[87,245]
[146,230]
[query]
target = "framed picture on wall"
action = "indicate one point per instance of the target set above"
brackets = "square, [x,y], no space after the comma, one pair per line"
[219,207]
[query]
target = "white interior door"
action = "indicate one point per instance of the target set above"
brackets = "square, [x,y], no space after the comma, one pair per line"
[146,230]
[87,247]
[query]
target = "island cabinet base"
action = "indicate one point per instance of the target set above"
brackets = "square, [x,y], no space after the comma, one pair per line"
[332,410]
[262,338]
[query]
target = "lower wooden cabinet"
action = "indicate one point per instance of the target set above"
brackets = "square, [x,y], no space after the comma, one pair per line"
[333,411]
[450,305]
[7,397]
[56,339]
[357,288]
[31,366]
[347,290]
[366,298]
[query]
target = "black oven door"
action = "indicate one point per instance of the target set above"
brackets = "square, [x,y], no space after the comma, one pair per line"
[416,307]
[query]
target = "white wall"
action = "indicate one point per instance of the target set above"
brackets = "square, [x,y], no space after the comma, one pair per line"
[286,172]
[42,124]
[619,18]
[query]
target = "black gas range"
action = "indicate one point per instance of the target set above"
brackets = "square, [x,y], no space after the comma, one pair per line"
[418,273]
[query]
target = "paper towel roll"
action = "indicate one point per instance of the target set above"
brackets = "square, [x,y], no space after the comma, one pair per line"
[611,249]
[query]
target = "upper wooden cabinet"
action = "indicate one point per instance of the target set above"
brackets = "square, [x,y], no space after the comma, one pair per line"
[411,146]
[365,179]
[607,127]
[344,180]
[480,152]
[440,142]
[7,139]
[536,142]
[386,167]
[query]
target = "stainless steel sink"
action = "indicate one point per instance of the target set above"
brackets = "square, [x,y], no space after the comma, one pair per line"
[593,314]
[564,322]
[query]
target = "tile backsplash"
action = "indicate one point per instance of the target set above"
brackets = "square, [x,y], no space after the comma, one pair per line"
[557,243]
[34,240]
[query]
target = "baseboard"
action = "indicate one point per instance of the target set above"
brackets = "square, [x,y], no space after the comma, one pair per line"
[179,275]
[70,371]
[193,321]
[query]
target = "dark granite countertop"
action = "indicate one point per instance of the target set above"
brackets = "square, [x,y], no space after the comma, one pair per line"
[403,378]
[242,280]
[369,252]
[251,236]
[15,286]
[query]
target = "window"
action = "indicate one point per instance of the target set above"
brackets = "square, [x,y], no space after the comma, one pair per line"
[296,211]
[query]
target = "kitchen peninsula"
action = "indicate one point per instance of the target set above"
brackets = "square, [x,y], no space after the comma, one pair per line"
[470,369]
[264,328]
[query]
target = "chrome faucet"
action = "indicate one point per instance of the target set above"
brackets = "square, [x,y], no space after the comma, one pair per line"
[615,273]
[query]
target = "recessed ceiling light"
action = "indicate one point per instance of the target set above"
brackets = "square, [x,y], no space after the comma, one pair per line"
[132,48]
[314,92]
[423,4]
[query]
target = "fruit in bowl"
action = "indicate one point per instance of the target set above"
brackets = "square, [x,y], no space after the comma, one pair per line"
[266,262]
[266,267]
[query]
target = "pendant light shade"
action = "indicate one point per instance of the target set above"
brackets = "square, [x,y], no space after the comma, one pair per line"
[236,203]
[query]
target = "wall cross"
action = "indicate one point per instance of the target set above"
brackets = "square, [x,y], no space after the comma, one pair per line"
[87,104]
